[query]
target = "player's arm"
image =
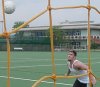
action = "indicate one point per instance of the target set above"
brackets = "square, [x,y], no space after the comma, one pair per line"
[68,73]
[93,79]
[81,66]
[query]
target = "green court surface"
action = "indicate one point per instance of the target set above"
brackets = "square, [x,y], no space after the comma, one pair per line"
[28,67]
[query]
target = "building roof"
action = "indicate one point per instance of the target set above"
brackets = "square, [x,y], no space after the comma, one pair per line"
[67,26]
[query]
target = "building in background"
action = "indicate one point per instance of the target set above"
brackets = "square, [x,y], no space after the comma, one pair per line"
[73,36]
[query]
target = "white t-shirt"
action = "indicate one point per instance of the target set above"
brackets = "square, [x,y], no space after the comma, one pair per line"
[83,79]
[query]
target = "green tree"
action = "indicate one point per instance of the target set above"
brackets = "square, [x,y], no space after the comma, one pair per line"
[57,34]
[94,45]
[17,24]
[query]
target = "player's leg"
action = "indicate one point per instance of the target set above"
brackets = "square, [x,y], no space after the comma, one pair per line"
[76,84]
[79,84]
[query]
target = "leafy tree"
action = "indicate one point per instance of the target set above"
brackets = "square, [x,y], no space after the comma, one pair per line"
[17,24]
[57,34]
[94,45]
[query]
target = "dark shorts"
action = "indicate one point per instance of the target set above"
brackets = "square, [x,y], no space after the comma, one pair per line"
[79,84]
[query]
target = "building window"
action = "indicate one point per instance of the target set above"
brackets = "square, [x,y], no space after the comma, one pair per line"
[72,33]
[39,33]
[27,34]
[76,45]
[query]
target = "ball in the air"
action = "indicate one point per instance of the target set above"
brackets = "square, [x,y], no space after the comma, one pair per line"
[9,7]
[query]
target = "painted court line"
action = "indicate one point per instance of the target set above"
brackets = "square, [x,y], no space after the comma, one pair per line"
[35,80]
[29,59]
[39,66]
[31,66]
[32,59]
[24,60]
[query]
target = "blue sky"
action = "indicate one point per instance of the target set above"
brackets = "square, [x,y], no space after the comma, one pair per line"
[26,9]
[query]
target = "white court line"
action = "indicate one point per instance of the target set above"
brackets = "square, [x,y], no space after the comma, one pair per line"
[31,59]
[31,66]
[34,80]
[37,59]
[39,66]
